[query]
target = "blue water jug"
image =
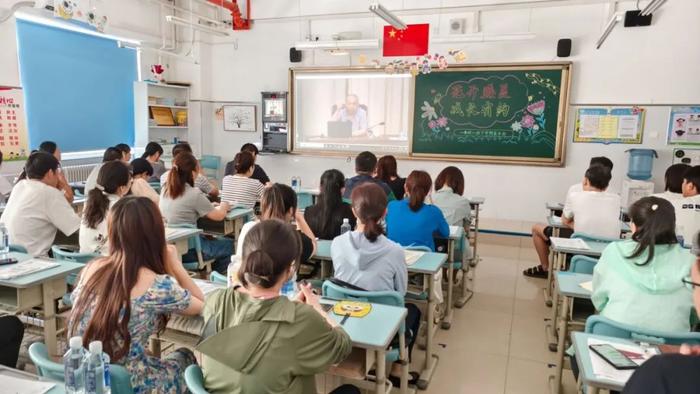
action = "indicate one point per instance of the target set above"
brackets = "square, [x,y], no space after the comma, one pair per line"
[641,163]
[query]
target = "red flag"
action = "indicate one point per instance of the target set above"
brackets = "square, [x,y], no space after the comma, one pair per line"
[412,41]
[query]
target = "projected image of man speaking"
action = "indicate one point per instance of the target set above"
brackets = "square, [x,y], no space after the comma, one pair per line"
[352,112]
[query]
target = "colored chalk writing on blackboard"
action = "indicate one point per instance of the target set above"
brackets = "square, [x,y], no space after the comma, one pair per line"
[488,113]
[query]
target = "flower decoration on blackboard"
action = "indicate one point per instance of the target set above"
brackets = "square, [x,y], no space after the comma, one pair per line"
[428,111]
[532,120]
[537,79]
[517,127]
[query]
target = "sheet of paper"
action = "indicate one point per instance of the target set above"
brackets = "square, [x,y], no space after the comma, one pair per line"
[412,256]
[627,126]
[11,384]
[587,285]
[603,369]
[589,126]
[453,231]
[206,286]
[608,126]
[569,243]
[25,268]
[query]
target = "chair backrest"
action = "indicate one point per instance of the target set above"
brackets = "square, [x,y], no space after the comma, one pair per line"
[45,367]
[582,264]
[194,379]
[218,278]
[63,254]
[588,237]
[120,380]
[600,325]
[18,249]
[210,164]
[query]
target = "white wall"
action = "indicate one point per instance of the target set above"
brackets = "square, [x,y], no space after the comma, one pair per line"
[651,65]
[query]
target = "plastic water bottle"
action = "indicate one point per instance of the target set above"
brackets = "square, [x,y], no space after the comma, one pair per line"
[345,227]
[72,365]
[4,241]
[107,377]
[94,368]
[296,183]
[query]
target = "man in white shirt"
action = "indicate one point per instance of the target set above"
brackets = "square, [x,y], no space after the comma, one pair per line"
[52,148]
[110,154]
[688,208]
[37,207]
[673,179]
[541,232]
[594,211]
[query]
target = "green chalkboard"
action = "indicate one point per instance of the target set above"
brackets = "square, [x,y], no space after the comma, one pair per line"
[500,113]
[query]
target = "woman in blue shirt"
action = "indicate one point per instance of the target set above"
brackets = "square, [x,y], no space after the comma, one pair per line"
[412,222]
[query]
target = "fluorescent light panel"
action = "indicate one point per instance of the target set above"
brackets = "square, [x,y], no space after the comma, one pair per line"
[365,75]
[387,15]
[481,37]
[184,22]
[338,44]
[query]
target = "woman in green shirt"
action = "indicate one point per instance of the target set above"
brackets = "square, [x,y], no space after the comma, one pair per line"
[257,341]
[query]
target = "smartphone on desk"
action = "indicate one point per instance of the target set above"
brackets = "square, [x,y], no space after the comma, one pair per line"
[613,356]
[8,261]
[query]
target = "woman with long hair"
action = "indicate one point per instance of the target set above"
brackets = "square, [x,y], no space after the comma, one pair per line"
[260,342]
[126,297]
[412,222]
[113,183]
[326,216]
[141,171]
[638,281]
[182,203]
[388,173]
[279,202]
[152,153]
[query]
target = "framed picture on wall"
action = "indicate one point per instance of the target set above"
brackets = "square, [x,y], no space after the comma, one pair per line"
[240,117]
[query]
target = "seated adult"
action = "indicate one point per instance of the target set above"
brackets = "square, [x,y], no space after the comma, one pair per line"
[365,166]
[125,298]
[327,215]
[37,207]
[258,172]
[141,171]
[672,373]
[353,112]
[257,341]
[200,181]
[52,148]
[152,153]
[110,154]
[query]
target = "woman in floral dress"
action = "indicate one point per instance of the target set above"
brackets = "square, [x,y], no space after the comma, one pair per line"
[126,297]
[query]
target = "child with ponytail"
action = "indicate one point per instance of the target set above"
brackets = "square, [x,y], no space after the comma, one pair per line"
[639,281]
[113,182]
[412,222]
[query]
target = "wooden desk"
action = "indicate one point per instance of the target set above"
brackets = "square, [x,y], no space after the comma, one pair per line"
[40,289]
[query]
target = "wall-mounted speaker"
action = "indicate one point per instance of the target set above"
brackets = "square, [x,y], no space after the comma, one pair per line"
[294,55]
[564,47]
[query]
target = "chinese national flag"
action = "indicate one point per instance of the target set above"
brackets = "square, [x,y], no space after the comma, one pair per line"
[413,41]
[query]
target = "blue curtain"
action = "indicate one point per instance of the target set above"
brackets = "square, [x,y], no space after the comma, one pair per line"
[78,88]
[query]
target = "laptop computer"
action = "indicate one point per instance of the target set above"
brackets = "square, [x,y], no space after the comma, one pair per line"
[339,129]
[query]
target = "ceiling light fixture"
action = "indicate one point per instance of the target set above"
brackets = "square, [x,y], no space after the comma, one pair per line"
[387,15]
[205,29]
[652,7]
[338,44]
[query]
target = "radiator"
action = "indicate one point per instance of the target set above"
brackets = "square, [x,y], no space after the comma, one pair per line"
[78,173]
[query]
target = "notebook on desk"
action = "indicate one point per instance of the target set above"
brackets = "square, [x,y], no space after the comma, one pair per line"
[412,256]
[25,268]
[570,243]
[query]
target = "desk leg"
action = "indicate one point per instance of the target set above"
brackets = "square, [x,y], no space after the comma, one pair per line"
[548,289]
[563,327]
[592,390]
[475,259]
[403,355]
[447,320]
[381,371]
[552,332]
[430,358]
[50,318]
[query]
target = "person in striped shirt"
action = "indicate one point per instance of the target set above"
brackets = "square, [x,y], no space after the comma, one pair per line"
[240,189]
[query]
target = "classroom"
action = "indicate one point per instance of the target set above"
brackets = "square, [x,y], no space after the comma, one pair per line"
[344,197]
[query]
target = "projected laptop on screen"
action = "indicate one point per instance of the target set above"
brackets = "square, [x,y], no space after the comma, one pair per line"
[339,129]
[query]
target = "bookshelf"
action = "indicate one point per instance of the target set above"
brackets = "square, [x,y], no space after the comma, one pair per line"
[169,101]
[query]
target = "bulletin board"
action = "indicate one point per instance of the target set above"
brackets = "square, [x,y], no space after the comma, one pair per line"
[14,142]
[684,126]
[610,125]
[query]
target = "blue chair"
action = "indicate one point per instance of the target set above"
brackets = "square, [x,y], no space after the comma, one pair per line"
[196,244]
[304,200]
[64,254]
[120,380]
[593,238]
[156,186]
[210,164]
[392,298]
[582,264]
[600,325]
[195,380]
[216,277]
[18,249]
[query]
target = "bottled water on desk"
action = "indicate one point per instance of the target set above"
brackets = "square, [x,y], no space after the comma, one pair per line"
[289,289]
[96,371]
[345,227]
[72,366]
[4,241]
